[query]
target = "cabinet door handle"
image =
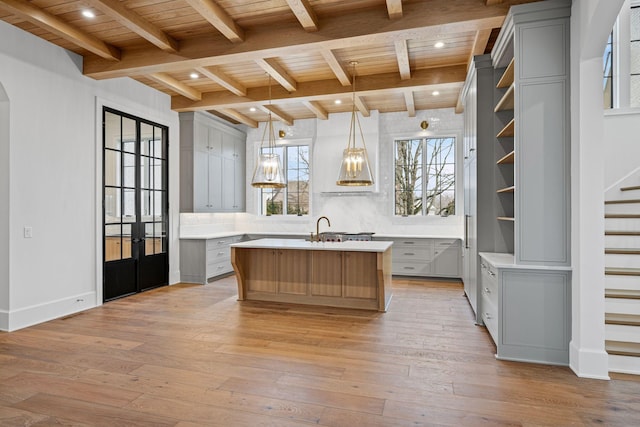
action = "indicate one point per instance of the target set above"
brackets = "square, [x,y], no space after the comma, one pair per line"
[488,316]
[466,231]
[491,273]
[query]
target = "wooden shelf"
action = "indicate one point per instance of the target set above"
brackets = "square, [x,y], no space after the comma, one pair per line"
[506,218]
[507,189]
[508,159]
[507,77]
[508,130]
[507,101]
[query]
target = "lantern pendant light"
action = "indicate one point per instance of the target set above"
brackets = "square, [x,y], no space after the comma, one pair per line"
[354,169]
[268,170]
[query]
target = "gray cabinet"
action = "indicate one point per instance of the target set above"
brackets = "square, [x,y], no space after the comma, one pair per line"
[212,165]
[202,259]
[523,291]
[527,311]
[426,257]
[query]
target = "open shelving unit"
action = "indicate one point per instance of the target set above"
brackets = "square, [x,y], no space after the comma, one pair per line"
[504,108]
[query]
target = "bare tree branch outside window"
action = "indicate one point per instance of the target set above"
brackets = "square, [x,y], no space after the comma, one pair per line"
[294,198]
[425,176]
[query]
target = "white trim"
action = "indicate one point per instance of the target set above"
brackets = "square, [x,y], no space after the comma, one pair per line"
[589,363]
[44,312]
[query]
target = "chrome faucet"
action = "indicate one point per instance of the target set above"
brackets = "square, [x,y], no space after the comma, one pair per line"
[318,227]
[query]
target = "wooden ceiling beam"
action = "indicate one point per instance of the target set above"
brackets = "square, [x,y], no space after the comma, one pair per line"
[402,55]
[229,112]
[278,114]
[275,70]
[337,68]
[410,103]
[394,9]
[304,13]
[317,109]
[223,80]
[328,90]
[176,85]
[220,19]
[365,28]
[362,106]
[137,24]
[55,25]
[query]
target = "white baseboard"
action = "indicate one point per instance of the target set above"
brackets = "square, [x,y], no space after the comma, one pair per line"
[624,364]
[29,316]
[589,363]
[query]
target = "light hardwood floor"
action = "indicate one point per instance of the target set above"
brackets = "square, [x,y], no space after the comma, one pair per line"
[191,355]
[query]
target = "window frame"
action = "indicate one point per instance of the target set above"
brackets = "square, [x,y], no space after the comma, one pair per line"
[286,144]
[456,172]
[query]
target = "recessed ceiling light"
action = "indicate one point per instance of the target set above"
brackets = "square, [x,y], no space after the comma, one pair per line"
[252,109]
[88,14]
[435,93]
[194,75]
[337,102]
[439,45]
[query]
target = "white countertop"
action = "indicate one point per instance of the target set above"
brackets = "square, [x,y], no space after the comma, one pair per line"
[295,234]
[299,244]
[502,260]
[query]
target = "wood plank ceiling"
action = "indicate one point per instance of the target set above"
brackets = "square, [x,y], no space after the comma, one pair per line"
[219,55]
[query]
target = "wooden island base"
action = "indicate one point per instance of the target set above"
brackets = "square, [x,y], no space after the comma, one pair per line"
[335,274]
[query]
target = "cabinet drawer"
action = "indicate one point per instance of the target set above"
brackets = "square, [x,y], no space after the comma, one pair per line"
[489,281]
[218,254]
[218,268]
[222,241]
[411,254]
[423,243]
[490,317]
[441,244]
[411,269]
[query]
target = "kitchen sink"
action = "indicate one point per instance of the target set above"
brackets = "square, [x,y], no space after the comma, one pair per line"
[339,236]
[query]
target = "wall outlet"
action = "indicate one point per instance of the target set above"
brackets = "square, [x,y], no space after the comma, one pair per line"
[28,232]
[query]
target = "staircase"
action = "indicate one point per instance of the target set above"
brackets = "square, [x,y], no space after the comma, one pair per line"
[622,279]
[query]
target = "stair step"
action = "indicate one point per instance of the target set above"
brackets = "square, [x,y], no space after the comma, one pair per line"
[621,233]
[622,251]
[622,348]
[622,293]
[635,187]
[620,202]
[622,271]
[622,216]
[622,319]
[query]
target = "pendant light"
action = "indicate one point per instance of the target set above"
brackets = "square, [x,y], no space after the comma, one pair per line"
[354,169]
[268,170]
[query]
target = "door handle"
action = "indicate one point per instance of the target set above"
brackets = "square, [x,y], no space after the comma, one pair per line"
[137,240]
[466,231]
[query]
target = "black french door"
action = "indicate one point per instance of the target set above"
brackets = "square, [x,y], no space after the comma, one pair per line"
[135,204]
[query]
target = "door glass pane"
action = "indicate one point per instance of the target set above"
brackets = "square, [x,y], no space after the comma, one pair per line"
[129,170]
[145,172]
[158,197]
[158,146]
[146,205]
[113,242]
[129,206]
[126,241]
[128,135]
[158,167]
[146,139]
[111,167]
[111,205]
[112,134]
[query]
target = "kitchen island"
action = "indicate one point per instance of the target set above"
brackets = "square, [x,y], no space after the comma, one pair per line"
[348,274]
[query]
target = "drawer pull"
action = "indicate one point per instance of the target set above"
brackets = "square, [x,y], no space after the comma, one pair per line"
[488,316]
[409,253]
[408,243]
[409,268]
[483,266]
[221,242]
[491,273]
[487,290]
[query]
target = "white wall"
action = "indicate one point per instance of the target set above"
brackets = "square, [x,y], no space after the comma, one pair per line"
[4,205]
[369,211]
[620,147]
[591,23]
[55,174]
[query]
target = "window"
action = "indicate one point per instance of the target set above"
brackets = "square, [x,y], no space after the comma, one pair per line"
[607,59]
[425,176]
[634,45]
[294,198]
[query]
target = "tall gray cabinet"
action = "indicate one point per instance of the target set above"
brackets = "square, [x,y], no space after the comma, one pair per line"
[521,186]
[212,165]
